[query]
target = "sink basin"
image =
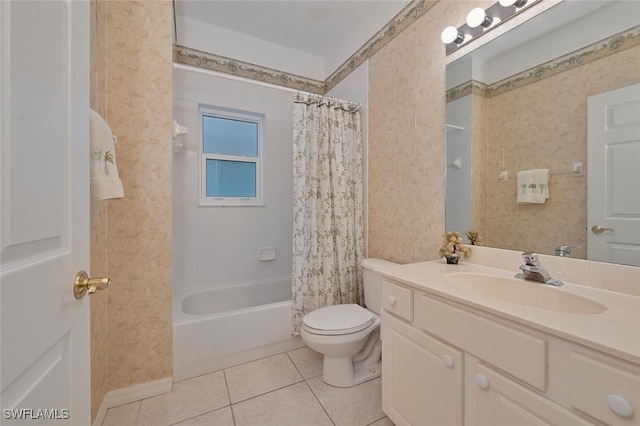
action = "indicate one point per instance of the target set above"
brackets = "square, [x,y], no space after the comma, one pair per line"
[522,292]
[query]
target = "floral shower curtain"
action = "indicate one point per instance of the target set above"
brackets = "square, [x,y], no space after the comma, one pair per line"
[328,218]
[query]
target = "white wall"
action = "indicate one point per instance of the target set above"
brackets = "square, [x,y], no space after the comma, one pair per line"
[194,33]
[361,32]
[217,246]
[231,44]
[458,147]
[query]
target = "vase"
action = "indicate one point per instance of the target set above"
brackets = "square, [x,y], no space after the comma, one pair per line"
[452,259]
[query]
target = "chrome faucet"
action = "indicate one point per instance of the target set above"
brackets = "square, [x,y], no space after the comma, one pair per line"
[531,270]
[565,251]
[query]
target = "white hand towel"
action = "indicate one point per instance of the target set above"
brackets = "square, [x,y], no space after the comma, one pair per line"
[105,182]
[533,186]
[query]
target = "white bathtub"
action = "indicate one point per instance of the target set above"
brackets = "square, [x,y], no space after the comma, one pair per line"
[221,327]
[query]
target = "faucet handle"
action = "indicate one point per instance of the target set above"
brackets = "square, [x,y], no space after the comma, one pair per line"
[530,258]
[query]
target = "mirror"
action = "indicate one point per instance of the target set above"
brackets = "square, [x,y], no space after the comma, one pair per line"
[518,103]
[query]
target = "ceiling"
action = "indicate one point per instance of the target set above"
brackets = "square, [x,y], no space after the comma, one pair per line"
[316,27]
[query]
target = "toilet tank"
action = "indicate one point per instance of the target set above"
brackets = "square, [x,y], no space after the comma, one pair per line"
[373,282]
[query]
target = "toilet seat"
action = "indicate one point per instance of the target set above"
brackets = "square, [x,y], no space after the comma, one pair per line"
[338,320]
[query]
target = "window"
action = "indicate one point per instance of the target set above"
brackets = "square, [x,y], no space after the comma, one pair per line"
[231,157]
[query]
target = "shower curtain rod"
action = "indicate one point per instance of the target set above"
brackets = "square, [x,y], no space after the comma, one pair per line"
[311,98]
[258,83]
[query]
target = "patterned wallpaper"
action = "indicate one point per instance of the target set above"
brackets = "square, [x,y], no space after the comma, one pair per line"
[131,322]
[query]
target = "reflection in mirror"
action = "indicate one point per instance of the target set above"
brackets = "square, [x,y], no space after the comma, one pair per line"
[519,103]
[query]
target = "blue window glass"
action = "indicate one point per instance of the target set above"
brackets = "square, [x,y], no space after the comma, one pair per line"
[229,137]
[230,178]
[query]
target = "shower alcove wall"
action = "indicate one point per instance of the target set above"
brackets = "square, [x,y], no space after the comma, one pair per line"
[224,295]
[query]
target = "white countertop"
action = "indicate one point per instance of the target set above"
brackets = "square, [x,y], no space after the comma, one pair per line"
[615,331]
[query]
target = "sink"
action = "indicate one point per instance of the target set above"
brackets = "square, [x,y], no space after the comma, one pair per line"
[522,292]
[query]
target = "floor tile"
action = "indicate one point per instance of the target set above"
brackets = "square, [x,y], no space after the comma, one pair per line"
[294,405]
[258,377]
[123,415]
[188,399]
[308,361]
[221,417]
[358,405]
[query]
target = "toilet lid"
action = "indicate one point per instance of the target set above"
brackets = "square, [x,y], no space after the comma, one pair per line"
[338,319]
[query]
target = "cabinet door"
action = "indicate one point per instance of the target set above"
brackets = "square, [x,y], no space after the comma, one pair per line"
[421,377]
[502,402]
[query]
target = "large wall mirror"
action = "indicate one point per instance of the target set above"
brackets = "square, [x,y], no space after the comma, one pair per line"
[520,103]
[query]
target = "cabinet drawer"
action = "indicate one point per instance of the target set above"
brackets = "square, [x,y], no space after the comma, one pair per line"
[520,354]
[616,390]
[397,300]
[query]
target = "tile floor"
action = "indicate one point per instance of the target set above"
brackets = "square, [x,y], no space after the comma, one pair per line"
[285,389]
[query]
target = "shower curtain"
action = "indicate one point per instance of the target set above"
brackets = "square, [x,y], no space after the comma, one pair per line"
[328,218]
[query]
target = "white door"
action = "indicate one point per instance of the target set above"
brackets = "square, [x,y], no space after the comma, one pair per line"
[44,126]
[614,176]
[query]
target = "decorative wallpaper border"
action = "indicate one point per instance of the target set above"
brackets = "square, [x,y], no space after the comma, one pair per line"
[414,10]
[407,16]
[465,89]
[601,49]
[212,62]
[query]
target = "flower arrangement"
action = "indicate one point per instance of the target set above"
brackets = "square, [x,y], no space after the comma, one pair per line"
[452,247]
[474,238]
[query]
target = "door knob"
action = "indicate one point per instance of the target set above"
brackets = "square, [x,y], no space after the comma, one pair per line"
[597,229]
[82,284]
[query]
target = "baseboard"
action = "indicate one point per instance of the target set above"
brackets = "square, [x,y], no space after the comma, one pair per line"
[133,393]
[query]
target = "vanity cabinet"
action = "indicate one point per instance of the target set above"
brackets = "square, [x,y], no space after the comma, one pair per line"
[422,377]
[448,363]
[615,399]
[501,401]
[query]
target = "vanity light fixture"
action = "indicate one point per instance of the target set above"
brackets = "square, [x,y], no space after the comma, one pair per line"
[516,3]
[451,35]
[480,21]
[479,18]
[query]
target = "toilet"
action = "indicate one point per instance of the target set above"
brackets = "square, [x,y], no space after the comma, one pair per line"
[349,335]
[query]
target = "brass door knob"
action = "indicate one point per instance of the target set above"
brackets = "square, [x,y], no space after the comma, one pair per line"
[82,284]
[597,229]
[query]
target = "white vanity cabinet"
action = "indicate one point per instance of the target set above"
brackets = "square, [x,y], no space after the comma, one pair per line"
[501,401]
[446,363]
[422,377]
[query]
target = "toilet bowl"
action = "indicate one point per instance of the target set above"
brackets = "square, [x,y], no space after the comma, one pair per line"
[348,335]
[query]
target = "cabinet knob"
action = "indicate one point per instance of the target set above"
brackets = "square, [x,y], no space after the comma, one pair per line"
[619,405]
[391,301]
[448,360]
[482,381]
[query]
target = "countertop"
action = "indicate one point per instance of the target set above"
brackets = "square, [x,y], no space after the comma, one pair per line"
[615,331]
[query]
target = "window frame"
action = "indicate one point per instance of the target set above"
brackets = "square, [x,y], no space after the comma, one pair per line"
[225,113]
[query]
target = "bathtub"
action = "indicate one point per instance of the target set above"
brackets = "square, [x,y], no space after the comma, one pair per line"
[221,327]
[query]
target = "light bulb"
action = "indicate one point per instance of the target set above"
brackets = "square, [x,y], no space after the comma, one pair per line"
[478,17]
[516,3]
[451,35]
